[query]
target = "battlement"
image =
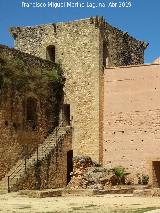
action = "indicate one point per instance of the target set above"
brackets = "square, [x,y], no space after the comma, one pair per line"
[118,48]
[98,22]
[15,31]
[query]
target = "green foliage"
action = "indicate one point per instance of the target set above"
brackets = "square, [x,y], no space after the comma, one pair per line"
[56,77]
[17,79]
[96,164]
[56,82]
[13,74]
[16,75]
[119,171]
[143,179]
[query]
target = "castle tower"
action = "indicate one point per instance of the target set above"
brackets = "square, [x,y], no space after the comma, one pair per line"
[84,48]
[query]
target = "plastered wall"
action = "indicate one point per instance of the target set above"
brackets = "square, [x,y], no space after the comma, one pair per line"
[132,117]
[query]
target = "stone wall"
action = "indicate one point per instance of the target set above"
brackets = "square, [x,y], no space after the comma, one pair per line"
[29,60]
[131,117]
[18,135]
[51,172]
[79,46]
[122,48]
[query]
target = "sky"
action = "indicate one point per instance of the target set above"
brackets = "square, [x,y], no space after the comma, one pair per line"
[140,19]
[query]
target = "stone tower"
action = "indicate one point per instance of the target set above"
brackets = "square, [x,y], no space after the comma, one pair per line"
[84,48]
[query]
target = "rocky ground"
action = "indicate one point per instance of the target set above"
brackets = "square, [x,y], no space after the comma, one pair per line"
[16,203]
[87,174]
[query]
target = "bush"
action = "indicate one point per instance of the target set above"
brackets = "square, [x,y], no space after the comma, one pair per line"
[120,174]
[143,179]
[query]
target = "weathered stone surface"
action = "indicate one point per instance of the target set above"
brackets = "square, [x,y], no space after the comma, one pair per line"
[88,175]
[153,192]
[156,192]
[107,107]
[50,172]
[92,192]
[83,47]
[142,193]
[42,193]
[30,61]
[17,135]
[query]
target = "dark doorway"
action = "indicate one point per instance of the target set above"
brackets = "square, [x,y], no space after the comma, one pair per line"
[50,53]
[66,114]
[69,165]
[156,173]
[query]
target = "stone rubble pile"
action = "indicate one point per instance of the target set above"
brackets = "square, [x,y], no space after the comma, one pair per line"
[89,175]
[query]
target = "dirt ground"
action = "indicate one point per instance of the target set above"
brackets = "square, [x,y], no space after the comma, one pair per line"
[16,203]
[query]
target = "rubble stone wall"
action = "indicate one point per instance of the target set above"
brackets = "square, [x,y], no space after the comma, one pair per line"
[131,117]
[16,134]
[51,172]
[29,60]
[79,46]
[122,48]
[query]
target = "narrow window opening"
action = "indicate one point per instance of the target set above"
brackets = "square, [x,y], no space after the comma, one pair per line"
[66,114]
[105,55]
[31,109]
[50,53]
[6,123]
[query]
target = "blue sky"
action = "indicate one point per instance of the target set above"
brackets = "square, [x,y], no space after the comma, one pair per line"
[141,20]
